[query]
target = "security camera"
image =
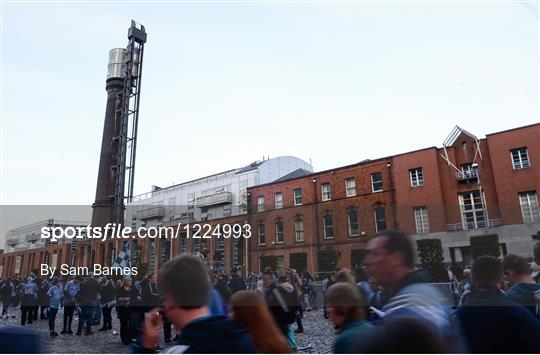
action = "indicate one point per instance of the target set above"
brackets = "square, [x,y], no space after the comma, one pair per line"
[474,165]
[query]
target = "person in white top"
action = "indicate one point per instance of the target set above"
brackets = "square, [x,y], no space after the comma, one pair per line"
[260,287]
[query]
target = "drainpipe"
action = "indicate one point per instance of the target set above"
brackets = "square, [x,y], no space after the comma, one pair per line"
[247,242]
[392,196]
[316,217]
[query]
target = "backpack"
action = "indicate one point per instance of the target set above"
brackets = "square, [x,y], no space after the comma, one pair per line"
[288,302]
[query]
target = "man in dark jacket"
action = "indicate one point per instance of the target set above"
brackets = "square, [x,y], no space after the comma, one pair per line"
[523,290]
[237,283]
[150,294]
[186,289]
[5,296]
[107,301]
[87,301]
[281,301]
[491,323]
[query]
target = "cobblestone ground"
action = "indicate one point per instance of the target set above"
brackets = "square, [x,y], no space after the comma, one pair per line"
[317,331]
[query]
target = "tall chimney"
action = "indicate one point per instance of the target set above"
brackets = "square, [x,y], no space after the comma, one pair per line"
[103,207]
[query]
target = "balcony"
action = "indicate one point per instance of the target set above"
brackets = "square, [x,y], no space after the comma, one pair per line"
[455,227]
[215,199]
[12,241]
[150,213]
[466,175]
[179,218]
[31,237]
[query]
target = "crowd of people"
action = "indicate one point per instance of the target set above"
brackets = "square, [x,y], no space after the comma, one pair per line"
[386,306]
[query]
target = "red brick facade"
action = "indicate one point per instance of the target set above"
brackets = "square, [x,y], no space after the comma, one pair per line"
[439,195]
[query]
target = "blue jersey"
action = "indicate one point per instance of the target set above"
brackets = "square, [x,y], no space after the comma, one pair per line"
[55,295]
[29,289]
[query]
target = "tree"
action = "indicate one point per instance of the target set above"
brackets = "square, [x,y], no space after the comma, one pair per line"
[357,255]
[268,261]
[485,244]
[430,252]
[328,259]
[298,261]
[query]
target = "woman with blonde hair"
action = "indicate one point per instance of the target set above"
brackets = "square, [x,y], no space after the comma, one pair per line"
[250,311]
[123,310]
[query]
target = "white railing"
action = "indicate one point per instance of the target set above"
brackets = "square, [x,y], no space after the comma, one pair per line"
[466,175]
[150,213]
[491,223]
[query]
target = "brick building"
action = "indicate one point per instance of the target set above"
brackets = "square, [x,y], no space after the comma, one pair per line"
[25,250]
[468,187]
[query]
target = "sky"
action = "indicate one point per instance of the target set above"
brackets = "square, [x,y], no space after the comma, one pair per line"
[226,83]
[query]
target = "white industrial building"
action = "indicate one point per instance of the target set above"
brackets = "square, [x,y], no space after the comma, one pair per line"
[216,196]
[29,236]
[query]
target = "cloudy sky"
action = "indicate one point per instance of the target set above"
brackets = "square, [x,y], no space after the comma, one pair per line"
[227,83]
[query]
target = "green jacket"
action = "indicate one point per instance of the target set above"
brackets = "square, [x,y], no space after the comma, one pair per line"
[347,336]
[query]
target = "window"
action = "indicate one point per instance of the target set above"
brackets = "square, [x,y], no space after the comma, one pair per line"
[220,246]
[195,246]
[183,242]
[235,251]
[472,213]
[278,198]
[380,219]
[520,158]
[350,187]
[421,218]
[297,196]
[529,206]
[261,233]
[352,219]
[417,177]
[299,230]
[279,232]
[326,195]
[376,182]
[328,228]
[260,203]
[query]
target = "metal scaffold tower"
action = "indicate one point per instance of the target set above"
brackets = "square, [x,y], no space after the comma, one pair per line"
[128,110]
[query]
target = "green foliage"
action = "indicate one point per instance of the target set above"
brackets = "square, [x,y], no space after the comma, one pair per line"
[357,255]
[142,268]
[298,261]
[485,244]
[269,261]
[328,260]
[430,252]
